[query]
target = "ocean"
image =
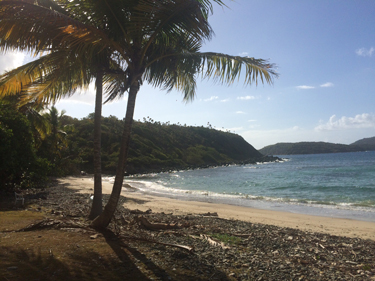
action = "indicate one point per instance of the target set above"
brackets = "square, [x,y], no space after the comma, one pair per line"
[340,185]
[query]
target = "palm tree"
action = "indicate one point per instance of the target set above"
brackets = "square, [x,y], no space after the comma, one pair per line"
[153,41]
[166,55]
[62,71]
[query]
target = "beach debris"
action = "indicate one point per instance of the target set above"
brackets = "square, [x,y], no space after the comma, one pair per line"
[213,242]
[139,212]
[264,252]
[94,236]
[214,214]
[159,226]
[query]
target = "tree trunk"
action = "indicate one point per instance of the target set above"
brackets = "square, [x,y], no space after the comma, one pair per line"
[104,219]
[97,206]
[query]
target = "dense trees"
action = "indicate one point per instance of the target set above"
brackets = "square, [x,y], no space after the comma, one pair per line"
[156,146]
[67,147]
[20,167]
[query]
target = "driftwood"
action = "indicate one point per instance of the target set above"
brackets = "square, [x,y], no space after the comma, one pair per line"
[159,226]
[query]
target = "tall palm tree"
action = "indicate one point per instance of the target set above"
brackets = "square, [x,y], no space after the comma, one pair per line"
[153,41]
[63,70]
[164,51]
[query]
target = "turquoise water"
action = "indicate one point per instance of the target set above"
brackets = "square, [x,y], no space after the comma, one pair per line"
[339,185]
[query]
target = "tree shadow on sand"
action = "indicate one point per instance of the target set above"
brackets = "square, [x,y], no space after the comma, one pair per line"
[123,248]
[29,264]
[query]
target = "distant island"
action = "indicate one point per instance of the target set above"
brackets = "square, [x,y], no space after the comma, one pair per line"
[365,144]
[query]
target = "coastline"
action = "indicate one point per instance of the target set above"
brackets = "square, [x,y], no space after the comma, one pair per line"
[310,223]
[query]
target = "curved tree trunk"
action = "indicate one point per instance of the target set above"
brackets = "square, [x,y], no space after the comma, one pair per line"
[104,219]
[97,207]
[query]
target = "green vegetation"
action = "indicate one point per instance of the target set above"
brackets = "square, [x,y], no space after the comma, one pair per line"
[20,166]
[366,143]
[67,147]
[227,239]
[317,147]
[156,146]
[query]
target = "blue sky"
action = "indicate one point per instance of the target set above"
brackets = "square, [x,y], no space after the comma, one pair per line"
[325,56]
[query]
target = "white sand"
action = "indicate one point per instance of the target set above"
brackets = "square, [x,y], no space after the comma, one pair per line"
[143,202]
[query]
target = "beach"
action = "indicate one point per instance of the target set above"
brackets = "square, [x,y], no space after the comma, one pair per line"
[141,201]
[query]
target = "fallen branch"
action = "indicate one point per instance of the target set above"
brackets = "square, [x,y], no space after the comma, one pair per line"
[51,223]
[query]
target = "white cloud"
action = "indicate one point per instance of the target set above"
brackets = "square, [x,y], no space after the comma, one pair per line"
[246,98]
[225,100]
[251,120]
[305,87]
[364,120]
[11,60]
[363,52]
[211,98]
[240,112]
[326,85]
[243,54]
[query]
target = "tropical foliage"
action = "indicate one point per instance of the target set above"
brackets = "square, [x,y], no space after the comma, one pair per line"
[20,167]
[156,146]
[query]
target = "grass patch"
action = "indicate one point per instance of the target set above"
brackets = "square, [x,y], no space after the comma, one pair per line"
[13,220]
[227,239]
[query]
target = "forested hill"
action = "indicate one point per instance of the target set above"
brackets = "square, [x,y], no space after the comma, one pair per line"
[366,143]
[317,147]
[159,146]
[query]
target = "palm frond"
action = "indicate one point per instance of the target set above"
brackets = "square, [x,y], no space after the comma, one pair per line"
[28,27]
[225,69]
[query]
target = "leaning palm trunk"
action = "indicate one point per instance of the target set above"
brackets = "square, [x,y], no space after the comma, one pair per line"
[97,207]
[104,219]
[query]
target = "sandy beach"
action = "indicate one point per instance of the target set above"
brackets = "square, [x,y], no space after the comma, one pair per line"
[143,202]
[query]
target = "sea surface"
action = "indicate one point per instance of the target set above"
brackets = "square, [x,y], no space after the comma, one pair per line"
[340,185]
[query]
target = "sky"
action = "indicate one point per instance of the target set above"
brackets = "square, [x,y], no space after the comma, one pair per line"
[325,56]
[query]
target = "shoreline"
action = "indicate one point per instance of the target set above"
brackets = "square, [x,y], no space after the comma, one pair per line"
[310,223]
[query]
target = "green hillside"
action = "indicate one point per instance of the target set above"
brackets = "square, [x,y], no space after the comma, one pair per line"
[366,143]
[309,148]
[158,146]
